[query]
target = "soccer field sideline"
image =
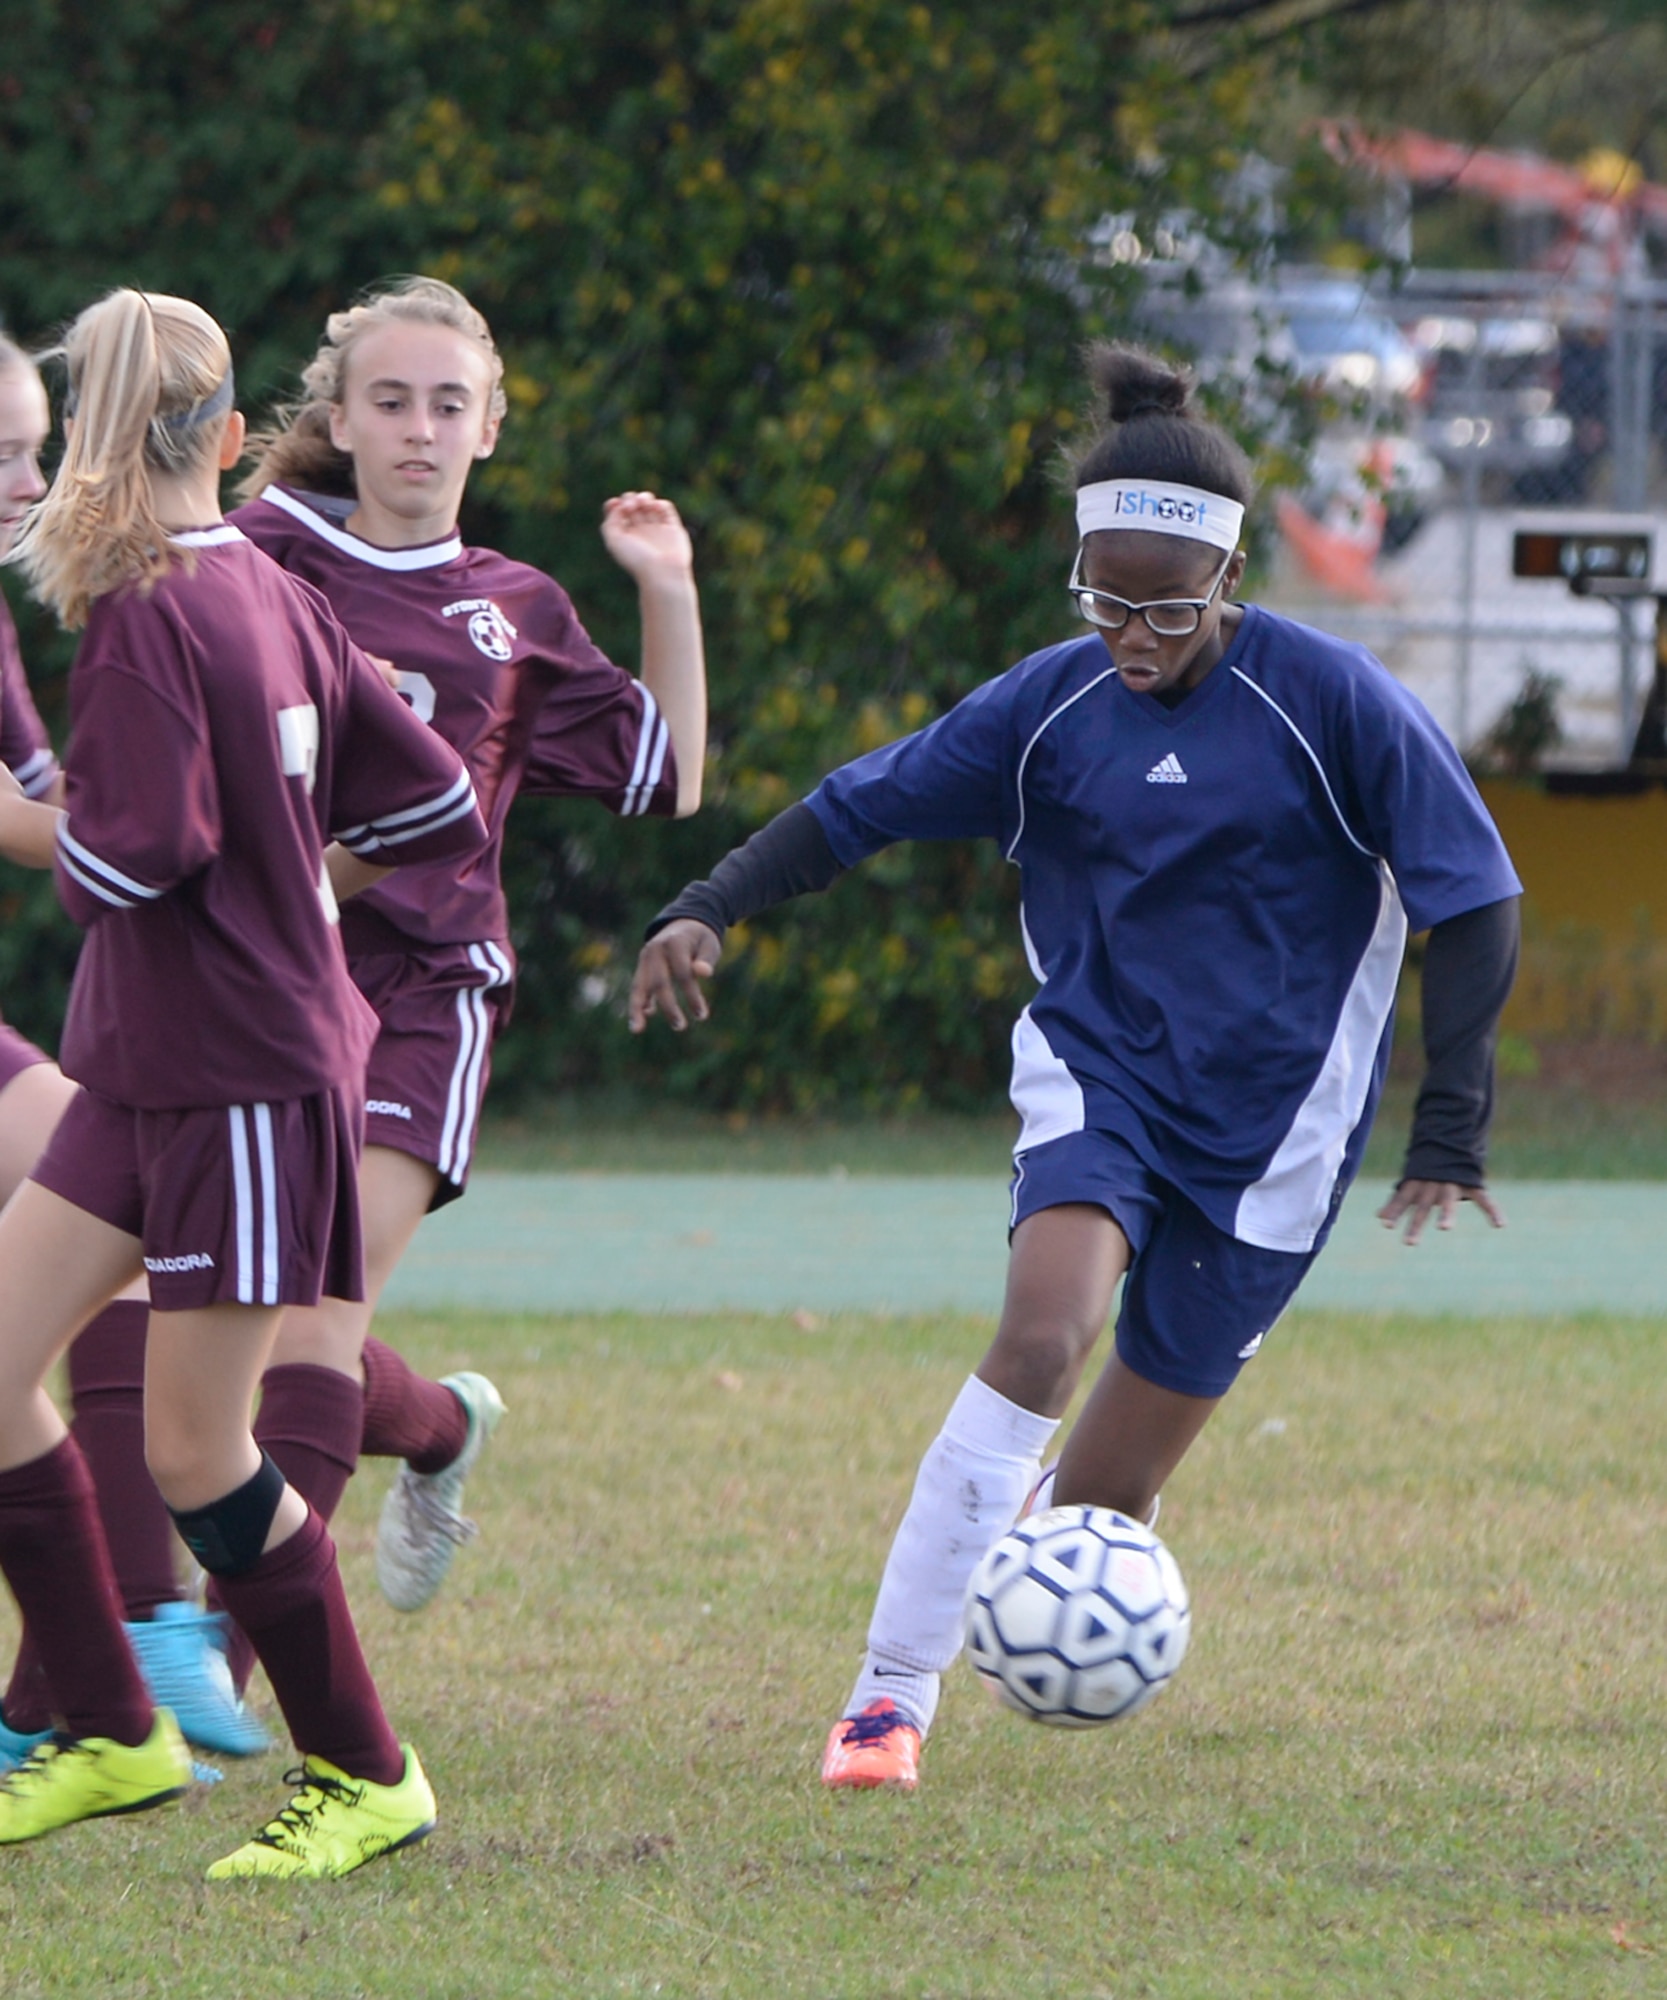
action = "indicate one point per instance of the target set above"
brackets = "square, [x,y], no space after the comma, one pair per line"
[927,1243]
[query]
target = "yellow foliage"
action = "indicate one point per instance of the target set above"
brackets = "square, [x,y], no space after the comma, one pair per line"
[837,991]
[989,976]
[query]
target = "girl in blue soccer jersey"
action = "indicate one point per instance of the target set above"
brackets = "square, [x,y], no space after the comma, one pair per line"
[1225,824]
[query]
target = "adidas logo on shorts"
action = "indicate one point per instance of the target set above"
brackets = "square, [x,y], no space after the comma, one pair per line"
[1167,772]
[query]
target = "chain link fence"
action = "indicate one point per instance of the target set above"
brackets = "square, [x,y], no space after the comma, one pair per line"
[1453,408]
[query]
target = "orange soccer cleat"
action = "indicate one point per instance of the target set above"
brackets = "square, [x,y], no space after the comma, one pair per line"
[879,1747]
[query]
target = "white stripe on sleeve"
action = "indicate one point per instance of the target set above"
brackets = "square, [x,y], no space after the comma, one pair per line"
[645,730]
[656,764]
[99,876]
[390,829]
[35,774]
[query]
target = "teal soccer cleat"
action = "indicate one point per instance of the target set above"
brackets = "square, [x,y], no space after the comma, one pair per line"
[182,1654]
[15,1744]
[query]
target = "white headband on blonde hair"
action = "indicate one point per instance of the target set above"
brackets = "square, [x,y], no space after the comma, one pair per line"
[1161,509]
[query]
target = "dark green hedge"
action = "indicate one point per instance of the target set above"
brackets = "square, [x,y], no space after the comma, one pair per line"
[813,269]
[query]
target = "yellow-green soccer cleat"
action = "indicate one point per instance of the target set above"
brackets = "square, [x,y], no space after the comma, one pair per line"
[334,1824]
[70,1778]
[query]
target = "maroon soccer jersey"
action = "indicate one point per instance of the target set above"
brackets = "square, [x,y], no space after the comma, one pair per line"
[492,656]
[25,748]
[222,729]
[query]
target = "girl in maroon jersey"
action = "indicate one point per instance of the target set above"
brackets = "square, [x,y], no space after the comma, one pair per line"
[358,492]
[178,1646]
[223,730]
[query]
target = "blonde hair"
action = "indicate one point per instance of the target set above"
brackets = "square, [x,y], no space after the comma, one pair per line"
[138,363]
[297,447]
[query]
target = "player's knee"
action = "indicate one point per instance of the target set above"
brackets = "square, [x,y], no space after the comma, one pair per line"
[229,1534]
[1047,1349]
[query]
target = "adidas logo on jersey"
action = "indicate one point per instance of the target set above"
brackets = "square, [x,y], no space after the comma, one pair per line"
[1167,772]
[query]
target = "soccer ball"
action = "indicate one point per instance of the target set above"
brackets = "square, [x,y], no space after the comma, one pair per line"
[1077,1616]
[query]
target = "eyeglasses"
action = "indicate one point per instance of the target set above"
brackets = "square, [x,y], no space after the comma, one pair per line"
[1166,617]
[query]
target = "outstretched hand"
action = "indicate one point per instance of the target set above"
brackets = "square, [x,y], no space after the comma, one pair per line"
[645,535]
[670,968]
[1417,1201]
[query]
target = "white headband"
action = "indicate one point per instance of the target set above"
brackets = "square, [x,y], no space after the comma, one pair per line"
[1161,509]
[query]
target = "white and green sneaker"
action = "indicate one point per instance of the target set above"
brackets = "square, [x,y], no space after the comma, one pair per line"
[423,1525]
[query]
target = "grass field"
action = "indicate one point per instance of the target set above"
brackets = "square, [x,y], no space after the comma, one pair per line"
[1417,1748]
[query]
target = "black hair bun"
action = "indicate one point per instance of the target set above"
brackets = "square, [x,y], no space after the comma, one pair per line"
[1133,383]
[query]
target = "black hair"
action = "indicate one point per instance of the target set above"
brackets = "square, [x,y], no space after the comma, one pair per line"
[1147,427]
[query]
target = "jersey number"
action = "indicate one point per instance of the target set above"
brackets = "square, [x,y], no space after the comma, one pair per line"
[418,690]
[298,743]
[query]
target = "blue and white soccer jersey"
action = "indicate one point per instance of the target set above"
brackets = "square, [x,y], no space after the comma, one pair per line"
[1215,901]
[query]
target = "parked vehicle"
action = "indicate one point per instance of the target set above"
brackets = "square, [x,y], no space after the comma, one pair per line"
[1317,340]
[1490,398]
[1347,346]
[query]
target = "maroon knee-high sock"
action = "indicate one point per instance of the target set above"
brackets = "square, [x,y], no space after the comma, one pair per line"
[309,1421]
[53,1554]
[293,1606]
[407,1416]
[107,1392]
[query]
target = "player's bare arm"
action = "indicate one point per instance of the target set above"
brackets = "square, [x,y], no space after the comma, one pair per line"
[669,972]
[349,876]
[645,535]
[28,827]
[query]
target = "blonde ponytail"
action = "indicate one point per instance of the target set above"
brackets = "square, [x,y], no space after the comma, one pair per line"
[148,382]
[297,447]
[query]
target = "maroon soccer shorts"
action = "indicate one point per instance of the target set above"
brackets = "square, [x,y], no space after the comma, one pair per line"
[17,1053]
[440,1009]
[257,1203]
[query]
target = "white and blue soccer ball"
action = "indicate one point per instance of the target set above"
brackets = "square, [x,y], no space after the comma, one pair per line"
[1077,1616]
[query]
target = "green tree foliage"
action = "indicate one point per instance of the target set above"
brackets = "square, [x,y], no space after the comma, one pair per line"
[815,270]
[210,151]
[804,267]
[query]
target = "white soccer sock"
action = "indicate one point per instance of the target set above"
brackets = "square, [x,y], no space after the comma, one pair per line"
[970,1487]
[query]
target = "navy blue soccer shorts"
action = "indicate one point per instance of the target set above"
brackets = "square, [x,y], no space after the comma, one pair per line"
[1197,1303]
